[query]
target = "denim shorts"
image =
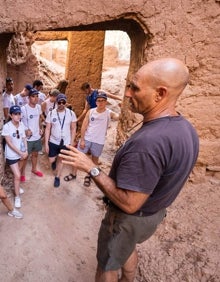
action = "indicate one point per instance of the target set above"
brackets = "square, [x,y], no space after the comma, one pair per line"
[54,149]
[11,162]
[94,148]
[120,232]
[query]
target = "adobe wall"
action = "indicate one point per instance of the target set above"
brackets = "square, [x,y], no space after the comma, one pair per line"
[188,30]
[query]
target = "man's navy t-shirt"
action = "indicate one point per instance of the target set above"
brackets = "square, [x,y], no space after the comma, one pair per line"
[157,160]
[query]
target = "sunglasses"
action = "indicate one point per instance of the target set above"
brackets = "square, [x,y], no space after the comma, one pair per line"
[17,134]
[104,100]
[61,102]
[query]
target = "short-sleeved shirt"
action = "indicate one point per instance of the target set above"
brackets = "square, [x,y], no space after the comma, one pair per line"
[16,134]
[8,100]
[20,100]
[61,125]
[91,99]
[157,160]
[31,119]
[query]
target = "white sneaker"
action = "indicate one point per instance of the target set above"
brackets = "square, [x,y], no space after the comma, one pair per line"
[17,202]
[15,213]
[21,191]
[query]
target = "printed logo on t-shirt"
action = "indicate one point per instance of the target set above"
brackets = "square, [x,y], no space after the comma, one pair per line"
[54,120]
[92,118]
[31,116]
[14,134]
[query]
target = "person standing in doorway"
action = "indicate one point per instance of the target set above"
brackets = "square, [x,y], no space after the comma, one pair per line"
[91,95]
[38,85]
[94,129]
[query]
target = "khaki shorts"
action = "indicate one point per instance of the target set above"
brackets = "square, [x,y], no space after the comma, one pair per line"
[34,146]
[120,232]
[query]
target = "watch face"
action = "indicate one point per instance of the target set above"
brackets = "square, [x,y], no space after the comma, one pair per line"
[95,171]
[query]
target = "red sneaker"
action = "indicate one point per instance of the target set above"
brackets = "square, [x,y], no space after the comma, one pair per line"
[38,173]
[22,178]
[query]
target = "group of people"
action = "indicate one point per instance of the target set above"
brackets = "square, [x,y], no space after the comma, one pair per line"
[32,120]
[148,171]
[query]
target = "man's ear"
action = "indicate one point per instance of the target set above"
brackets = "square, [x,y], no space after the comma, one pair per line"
[161,92]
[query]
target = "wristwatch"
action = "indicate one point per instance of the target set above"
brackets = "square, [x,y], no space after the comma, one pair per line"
[95,171]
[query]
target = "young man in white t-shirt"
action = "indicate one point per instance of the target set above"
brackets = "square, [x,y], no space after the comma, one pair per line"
[32,117]
[94,129]
[60,131]
[8,98]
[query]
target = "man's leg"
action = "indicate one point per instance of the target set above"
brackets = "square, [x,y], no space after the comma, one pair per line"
[34,161]
[129,268]
[106,276]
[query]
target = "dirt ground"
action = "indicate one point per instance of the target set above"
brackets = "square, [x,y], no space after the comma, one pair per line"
[56,239]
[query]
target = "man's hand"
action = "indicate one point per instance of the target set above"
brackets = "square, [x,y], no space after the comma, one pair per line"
[77,159]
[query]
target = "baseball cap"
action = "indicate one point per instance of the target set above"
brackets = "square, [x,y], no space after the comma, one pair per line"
[60,97]
[101,95]
[14,110]
[28,86]
[54,92]
[33,92]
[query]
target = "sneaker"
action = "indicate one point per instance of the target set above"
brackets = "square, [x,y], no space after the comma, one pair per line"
[22,179]
[56,182]
[21,191]
[40,152]
[15,213]
[17,202]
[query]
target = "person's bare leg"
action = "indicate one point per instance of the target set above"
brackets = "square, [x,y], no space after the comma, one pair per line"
[16,172]
[5,200]
[95,160]
[59,167]
[34,161]
[23,166]
[129,268]
[106,276]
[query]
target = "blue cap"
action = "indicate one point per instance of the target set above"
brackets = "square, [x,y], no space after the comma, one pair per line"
[14,110]
[28,87]
[60,97]
[101,95]
[33,92]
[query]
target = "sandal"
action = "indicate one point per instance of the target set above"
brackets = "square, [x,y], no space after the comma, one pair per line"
[87,181]
[69,177]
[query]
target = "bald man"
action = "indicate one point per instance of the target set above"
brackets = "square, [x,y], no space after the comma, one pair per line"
[148,171]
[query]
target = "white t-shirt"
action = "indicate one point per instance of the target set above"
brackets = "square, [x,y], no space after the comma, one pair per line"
[16,134]
[41,97]
[97,127]
[8,100]
[49,106]
[31,117]
[20,101]
[60,125]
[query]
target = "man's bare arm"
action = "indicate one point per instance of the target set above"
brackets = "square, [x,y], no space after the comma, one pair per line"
[126,200]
